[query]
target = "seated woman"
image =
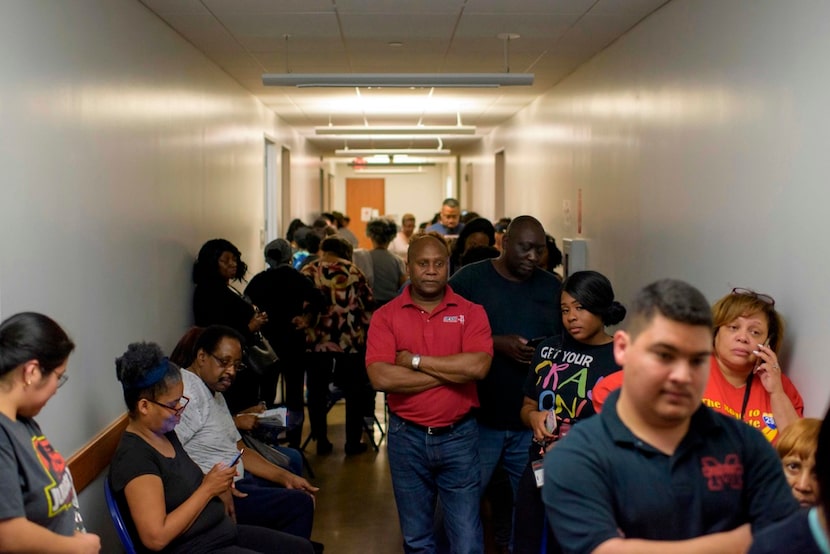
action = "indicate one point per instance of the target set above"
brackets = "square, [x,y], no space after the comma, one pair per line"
[806,531]
[796,447]
[173,506]
[745,379]
[38,504]
[558,388]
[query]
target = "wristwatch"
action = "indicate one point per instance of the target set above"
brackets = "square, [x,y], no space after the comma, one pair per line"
[416,361]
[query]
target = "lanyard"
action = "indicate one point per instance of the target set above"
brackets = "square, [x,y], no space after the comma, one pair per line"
[746,394]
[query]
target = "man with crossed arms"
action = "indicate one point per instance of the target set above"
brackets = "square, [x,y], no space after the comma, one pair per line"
[426,349]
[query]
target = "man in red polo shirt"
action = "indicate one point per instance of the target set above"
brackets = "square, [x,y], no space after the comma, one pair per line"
[426,349]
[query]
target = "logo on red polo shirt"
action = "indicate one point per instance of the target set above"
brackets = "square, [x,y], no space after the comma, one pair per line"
[719,475]
[454,319]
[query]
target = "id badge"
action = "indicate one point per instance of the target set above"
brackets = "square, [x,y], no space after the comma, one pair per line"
[538,472]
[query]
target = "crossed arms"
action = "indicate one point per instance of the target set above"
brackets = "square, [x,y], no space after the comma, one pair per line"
[433,371]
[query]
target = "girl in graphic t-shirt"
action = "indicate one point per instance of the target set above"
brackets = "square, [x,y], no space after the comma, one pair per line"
[558,388]
[38,504]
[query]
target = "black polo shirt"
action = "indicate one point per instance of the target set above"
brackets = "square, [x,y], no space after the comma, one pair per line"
[602,482]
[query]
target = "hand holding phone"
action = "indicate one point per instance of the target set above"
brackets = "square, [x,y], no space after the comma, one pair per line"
[758,359]
[237,458]
[534,342]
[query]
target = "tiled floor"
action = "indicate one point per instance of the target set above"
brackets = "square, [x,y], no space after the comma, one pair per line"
[355,506]
[356,510]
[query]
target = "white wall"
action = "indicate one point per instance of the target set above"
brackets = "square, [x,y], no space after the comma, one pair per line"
[123,150]
[698,141]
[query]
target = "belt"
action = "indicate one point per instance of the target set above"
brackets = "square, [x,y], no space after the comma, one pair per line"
[435,431]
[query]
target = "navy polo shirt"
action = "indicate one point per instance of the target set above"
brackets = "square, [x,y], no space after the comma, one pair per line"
[602,482]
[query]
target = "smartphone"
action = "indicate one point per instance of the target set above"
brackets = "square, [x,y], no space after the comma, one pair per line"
[758,360]
[533,343]
[237,458]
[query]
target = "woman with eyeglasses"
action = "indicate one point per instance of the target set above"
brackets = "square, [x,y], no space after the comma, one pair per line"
[745,379]
[173,506]
[38,505]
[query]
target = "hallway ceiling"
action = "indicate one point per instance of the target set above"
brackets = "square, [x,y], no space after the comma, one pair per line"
[247,38]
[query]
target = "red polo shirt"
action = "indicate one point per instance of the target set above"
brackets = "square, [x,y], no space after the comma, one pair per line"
[454,326]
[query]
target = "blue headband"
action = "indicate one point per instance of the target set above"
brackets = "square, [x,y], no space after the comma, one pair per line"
[153,376]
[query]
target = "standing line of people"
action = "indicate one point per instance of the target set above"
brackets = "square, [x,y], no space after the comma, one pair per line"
[658,437]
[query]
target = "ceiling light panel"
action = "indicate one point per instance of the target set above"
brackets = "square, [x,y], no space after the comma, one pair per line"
[398,80]
[341,130]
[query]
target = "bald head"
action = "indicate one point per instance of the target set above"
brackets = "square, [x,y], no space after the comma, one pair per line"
[522,246]
[524,222]
[418,241]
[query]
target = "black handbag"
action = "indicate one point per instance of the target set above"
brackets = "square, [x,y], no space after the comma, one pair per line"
[261,354]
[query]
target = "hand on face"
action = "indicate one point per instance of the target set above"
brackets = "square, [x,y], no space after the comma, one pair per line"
[737,341]
[767,369]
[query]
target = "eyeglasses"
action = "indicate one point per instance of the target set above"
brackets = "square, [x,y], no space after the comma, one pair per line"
[177,409]
[227,364]
[765,298]
[62,379]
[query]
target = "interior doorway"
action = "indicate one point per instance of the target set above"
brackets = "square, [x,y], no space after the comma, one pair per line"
[285,189]
[466,198]
[498,201]
[364,199]
[271,200]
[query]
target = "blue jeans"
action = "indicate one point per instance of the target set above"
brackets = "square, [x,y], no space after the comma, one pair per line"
[426,468]
[270,505]
[509,446]
[295,459]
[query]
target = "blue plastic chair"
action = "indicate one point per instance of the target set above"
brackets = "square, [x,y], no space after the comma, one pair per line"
[117,520]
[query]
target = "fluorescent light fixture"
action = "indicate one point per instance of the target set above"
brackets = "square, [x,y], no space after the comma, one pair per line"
[400,80]
[396,130]
[392,151]
[388,170]
[390,164]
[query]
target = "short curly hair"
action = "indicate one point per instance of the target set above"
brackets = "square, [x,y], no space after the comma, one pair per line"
[132,367]
[381,231]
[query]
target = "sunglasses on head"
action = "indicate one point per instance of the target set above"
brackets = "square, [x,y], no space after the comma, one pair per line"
[765,298]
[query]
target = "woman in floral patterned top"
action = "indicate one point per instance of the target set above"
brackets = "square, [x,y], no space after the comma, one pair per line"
[337,344]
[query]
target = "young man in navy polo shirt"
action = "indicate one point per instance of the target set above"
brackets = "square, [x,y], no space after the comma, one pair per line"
[657,471]
[426,349]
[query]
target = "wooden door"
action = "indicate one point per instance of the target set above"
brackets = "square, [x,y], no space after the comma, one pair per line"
[363,196]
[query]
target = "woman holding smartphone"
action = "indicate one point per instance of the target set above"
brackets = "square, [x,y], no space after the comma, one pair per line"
[173,506]
[38,504]
[745,380]
[558,388]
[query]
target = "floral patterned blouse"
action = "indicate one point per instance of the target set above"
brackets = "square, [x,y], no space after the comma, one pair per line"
[345,321]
